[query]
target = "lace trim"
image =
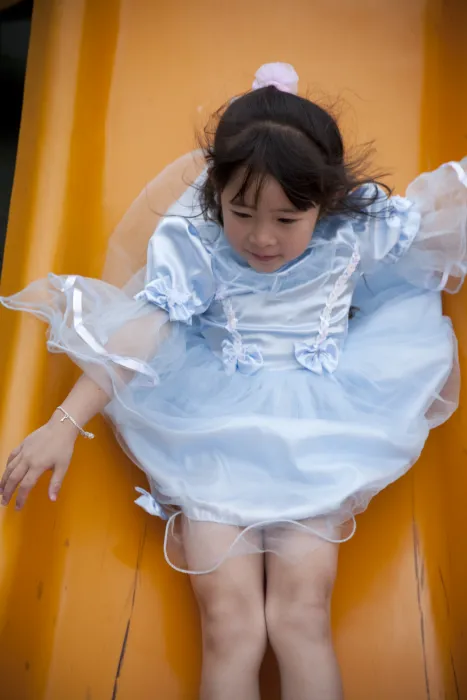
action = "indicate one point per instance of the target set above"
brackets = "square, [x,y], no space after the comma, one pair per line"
[337,290]
[235,354]
[323,354]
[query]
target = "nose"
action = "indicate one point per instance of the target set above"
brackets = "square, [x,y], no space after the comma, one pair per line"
[262,236]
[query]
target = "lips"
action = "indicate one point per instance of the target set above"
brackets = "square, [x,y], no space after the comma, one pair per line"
[264,258]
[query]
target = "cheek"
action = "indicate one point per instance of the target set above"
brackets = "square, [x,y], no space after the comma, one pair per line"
[299,240]
[234,232]
[296,243]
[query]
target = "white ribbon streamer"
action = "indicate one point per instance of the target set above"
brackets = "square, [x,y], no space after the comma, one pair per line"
[78,324]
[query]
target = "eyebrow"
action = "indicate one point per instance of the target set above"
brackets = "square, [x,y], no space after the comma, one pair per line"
[284,210]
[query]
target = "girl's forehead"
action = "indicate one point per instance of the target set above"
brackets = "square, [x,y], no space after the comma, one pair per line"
[262,190]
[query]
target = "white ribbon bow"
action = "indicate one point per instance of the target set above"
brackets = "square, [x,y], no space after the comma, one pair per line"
[246,358]
[150,505]
[319,357]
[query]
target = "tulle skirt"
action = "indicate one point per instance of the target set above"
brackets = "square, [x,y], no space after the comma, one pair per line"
[277,461]
[283,459]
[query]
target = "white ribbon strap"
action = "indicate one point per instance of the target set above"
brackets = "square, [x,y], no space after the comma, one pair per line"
[78,324]
[460,172]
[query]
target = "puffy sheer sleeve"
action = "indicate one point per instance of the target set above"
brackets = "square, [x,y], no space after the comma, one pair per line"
[115,333]
[424,233]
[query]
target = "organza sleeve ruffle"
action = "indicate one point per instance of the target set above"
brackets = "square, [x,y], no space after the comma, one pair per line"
[111,332]
[110,335]
[424,233]
[114,332]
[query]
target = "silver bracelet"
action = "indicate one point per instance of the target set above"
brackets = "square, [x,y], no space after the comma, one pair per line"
[66,416]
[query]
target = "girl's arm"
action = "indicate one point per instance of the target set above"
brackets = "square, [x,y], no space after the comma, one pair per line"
[84,401]
[51,446]
[112,336]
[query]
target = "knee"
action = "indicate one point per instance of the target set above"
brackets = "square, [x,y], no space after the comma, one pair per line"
[232,625]
[306,621]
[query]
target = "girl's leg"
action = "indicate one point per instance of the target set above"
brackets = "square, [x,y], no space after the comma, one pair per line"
[299,588]
[231,603]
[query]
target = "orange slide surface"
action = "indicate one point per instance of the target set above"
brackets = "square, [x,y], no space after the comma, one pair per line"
[114,90]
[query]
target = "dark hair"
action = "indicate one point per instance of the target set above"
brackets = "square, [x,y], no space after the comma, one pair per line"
[290,138]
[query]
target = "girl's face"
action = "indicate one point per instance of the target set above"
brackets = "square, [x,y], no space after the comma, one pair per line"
[269,234]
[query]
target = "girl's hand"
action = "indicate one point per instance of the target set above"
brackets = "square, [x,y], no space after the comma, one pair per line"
[50,447]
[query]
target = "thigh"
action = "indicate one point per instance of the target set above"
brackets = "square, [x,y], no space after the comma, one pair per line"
[300,580]
[237,581]
[301,568]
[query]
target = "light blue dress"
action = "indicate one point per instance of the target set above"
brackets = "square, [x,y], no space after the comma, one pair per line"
[260,404]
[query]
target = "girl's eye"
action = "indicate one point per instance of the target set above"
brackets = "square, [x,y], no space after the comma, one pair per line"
[241,214]
[287,221]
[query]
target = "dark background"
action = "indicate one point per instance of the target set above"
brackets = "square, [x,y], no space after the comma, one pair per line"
[15,25]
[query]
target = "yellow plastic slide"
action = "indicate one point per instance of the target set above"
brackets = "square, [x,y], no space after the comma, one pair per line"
[88,608]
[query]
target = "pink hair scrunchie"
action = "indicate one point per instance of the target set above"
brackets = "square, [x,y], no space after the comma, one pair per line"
[282,75]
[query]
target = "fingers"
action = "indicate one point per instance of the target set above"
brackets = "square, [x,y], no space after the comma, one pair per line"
[11,466]
[14,454]
[21,475]
[16,472]
[11,461]
[56,481]
[27,483]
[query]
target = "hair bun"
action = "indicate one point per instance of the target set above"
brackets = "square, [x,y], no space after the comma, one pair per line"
[282,75]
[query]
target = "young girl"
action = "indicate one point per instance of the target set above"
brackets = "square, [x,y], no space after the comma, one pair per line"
[282,362]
